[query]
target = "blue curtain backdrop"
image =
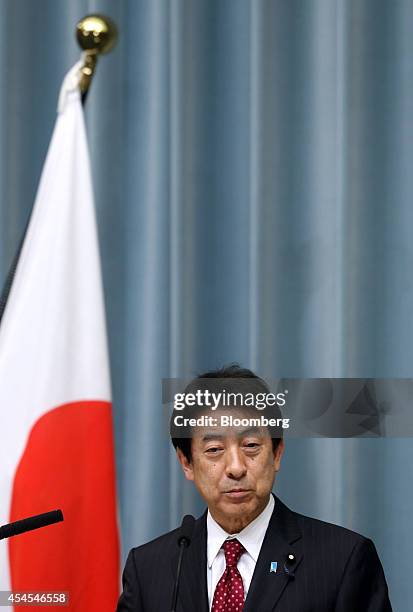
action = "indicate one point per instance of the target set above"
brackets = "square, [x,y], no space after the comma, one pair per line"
[253,175]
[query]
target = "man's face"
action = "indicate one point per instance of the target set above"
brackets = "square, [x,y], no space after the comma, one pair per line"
[233,469]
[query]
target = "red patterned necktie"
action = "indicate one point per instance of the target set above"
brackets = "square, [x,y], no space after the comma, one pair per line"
[229,592]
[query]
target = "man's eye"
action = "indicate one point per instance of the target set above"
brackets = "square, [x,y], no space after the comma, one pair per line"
[213,449]
[251,445]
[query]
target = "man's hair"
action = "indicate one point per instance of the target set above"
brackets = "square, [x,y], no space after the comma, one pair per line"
[233,380]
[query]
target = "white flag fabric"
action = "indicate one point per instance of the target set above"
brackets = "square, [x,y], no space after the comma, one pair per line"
[55,398]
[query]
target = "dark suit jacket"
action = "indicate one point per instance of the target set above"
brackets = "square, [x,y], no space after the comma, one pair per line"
[335,570]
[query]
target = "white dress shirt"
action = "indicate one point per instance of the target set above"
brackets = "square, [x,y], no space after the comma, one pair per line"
[251,537]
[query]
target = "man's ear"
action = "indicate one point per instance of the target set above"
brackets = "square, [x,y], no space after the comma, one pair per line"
[185,464]
[278,454]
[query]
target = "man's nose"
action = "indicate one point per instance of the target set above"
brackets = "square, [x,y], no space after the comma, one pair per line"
[235,464]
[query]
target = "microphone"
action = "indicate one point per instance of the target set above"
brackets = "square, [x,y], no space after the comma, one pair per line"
[33,522]
[183,540]
[186,530]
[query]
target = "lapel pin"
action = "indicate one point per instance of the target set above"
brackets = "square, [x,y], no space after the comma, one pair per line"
[289,565]
[273,566]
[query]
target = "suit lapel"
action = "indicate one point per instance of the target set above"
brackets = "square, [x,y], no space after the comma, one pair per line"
[281,539]
[192,593]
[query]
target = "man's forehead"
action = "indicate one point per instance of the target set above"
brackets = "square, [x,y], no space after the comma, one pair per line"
[205,433]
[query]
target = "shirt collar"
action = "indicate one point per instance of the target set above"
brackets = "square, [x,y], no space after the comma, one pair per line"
[251,537]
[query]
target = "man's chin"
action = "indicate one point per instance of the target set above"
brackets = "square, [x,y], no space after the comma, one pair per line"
[233,516]
[238,506]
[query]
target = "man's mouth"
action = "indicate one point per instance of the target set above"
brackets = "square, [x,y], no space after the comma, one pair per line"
[237,493]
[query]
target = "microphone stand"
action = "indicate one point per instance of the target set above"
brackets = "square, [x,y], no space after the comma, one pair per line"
[182,545]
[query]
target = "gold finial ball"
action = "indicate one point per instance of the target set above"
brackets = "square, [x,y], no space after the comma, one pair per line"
[96,33]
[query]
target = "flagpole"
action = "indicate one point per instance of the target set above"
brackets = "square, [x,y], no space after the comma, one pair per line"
[96,34]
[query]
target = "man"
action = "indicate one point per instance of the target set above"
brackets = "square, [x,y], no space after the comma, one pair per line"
[248,551]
